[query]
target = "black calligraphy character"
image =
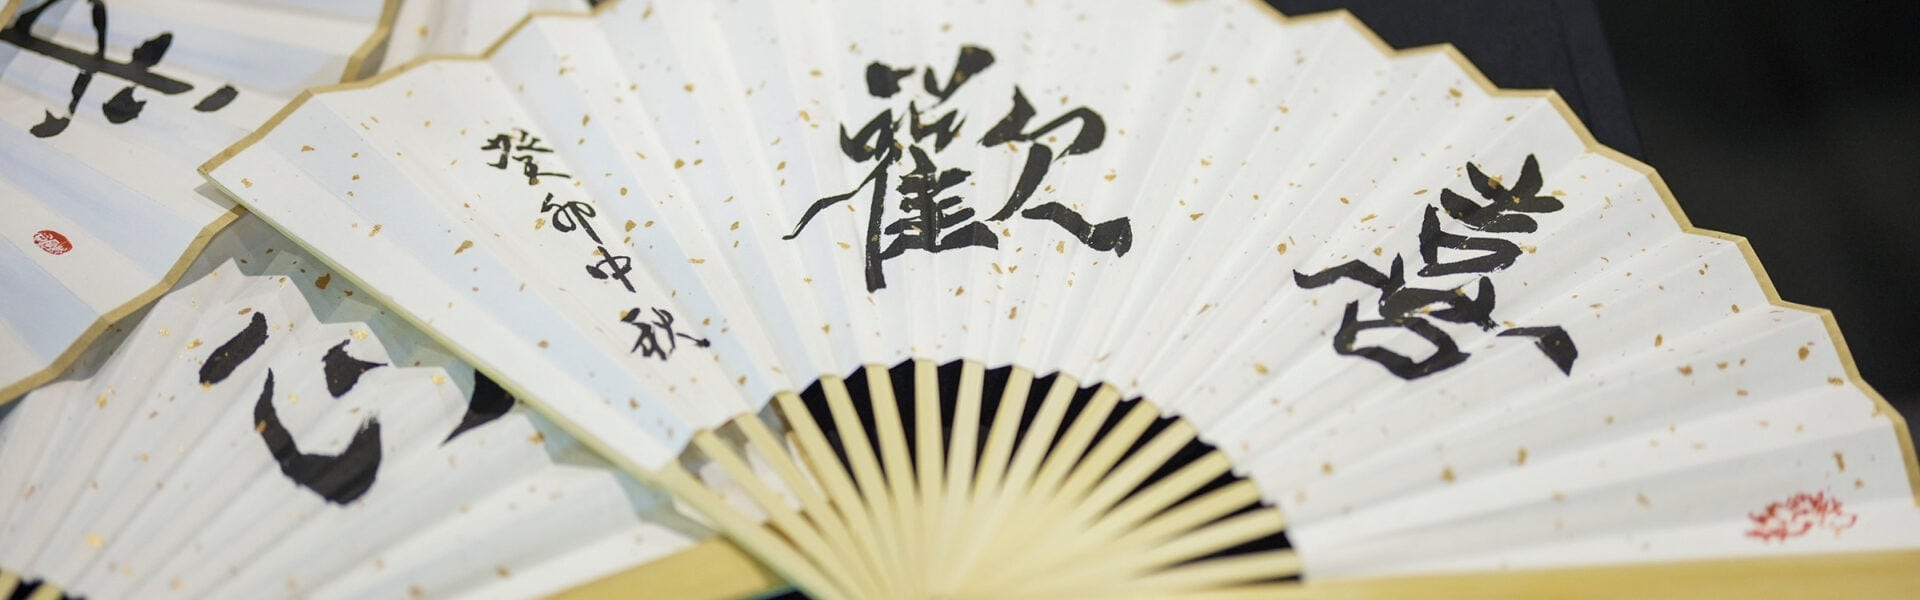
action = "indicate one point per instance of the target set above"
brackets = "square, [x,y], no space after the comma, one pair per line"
[1399,306]
[876,142]
[612,266]
[1496,215]
[1552,341]
[570,215]
[937,222]
[340,478]
[488,403]
[652,333]
[343,371]
[1112,236]
[1496,254]
[138,70]
[525,146]
[1446,354]
[1410,308]
[921,189]
[972,60]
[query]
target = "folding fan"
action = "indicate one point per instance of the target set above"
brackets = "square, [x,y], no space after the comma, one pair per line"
[106,107]
[441,27]
[1000,298]
[263,431]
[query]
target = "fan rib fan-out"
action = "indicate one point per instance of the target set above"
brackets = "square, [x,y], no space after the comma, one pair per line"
[1432,322]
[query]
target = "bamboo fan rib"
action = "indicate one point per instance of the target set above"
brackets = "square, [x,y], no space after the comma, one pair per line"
[767,254]
[999,483]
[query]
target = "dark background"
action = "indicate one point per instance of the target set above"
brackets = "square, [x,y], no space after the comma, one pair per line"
[1795,124]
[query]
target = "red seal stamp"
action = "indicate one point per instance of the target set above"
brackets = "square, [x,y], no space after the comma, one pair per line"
[52,242]
[1798,515]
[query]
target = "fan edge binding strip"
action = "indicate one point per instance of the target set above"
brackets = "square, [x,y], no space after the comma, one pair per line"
[365,56]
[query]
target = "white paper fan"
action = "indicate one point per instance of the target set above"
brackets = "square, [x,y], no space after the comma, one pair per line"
[106,108]
[1433,322]
[263,431]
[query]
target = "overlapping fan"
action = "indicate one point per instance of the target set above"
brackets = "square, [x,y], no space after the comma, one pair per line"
[107,107]
[1431,322]
[264,430]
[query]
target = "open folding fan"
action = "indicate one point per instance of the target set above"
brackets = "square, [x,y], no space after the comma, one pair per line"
[105,107]
[1112,298]
[263,431]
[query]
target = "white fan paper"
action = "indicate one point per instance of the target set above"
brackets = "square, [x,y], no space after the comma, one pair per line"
[107,106]
[1440,327]
[196,464]
[460,27]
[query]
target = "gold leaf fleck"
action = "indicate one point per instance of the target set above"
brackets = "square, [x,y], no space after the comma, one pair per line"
[319,282]
[464,245]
